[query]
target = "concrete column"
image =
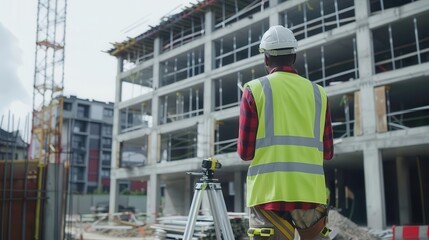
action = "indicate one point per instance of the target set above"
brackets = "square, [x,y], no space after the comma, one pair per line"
[374,187]
[238,191]
[153,137]
[156,53]
[120,65]
[115,156]
[118,88]
[404,194]
[274,17]
[154,151]
[189,192]
[113,194]
[205,138]
[366,66]
[367,107]
[153,197]
[365,51]
[208,61]
[208,45]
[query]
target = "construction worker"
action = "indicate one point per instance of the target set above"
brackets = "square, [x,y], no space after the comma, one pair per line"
[285,130]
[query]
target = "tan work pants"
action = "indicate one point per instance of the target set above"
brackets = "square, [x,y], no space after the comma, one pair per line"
[282,222]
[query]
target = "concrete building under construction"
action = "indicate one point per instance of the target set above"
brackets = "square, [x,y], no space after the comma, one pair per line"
[178,93]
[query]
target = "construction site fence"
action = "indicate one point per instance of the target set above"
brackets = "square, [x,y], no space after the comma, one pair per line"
[84,203]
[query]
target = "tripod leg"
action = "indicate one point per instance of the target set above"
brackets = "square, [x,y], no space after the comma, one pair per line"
[225,220]
[215,213]
[193,213]
[220,215]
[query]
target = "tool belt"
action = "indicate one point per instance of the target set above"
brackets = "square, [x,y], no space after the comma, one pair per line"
[317,228]
[263,232]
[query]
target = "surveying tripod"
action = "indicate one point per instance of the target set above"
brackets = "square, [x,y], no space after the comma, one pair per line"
[217,204]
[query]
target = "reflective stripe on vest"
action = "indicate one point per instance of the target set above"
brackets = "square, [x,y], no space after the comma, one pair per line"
[270,138]
[285,167]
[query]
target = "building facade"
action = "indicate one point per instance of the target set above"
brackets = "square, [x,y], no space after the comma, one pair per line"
[87,141]
[12,146]
[178,93]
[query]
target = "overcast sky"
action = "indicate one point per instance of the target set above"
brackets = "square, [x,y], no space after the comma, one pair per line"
[92,25]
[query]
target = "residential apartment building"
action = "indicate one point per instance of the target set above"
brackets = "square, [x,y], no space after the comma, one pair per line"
[178,93]
[87,141]
[12,146]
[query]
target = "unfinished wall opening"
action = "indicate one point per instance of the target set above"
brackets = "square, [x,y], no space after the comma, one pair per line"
[228,12]
[228,88]
[406,184]
[226,134]
[331,63]
[183,66]
[133,152]
[380,5]
[136,83]
[182,104]
[342,115]
[401,44]
[136,117]
[182,30]
[133,52]
[345,179]
[316,16]
[239,45]
[407,104]
[179,145]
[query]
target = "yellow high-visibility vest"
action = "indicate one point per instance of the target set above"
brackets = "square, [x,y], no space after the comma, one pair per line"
[288,161]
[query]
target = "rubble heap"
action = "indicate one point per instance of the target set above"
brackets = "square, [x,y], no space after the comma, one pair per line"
[346,229]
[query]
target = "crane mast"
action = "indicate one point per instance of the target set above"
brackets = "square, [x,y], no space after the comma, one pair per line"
[47,118]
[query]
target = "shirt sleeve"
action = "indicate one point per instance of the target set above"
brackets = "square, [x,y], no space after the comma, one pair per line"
[328,141]
[248,125]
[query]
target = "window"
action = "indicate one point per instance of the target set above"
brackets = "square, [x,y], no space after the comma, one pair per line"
[105,173]
[94,143]
[106,143]
[82,111]
[78,158]
[108,112]
[67,106]
[80,127]
[78,142]
[94,129]
[105,159]
[107,130]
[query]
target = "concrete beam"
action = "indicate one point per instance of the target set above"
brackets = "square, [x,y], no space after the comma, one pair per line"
[391,139]
[397,14]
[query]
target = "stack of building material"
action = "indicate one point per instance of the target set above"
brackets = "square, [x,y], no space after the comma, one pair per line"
[174,227]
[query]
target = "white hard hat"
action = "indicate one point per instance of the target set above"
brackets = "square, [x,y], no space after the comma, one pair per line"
[278,37]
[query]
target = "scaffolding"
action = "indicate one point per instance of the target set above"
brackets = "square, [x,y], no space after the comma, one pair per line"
[401,44]
[179,145]
[183,66]
[316,16]
[239,45]
[183,104]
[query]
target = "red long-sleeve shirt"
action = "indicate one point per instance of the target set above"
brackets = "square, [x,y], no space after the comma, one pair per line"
[248,126]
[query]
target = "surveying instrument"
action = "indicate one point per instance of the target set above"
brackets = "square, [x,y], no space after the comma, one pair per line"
[217,204]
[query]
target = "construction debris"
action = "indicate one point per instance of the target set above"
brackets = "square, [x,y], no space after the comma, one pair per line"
[346,229]
[127,226]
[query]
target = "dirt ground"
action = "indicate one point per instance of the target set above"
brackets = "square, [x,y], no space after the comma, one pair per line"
[346,229]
